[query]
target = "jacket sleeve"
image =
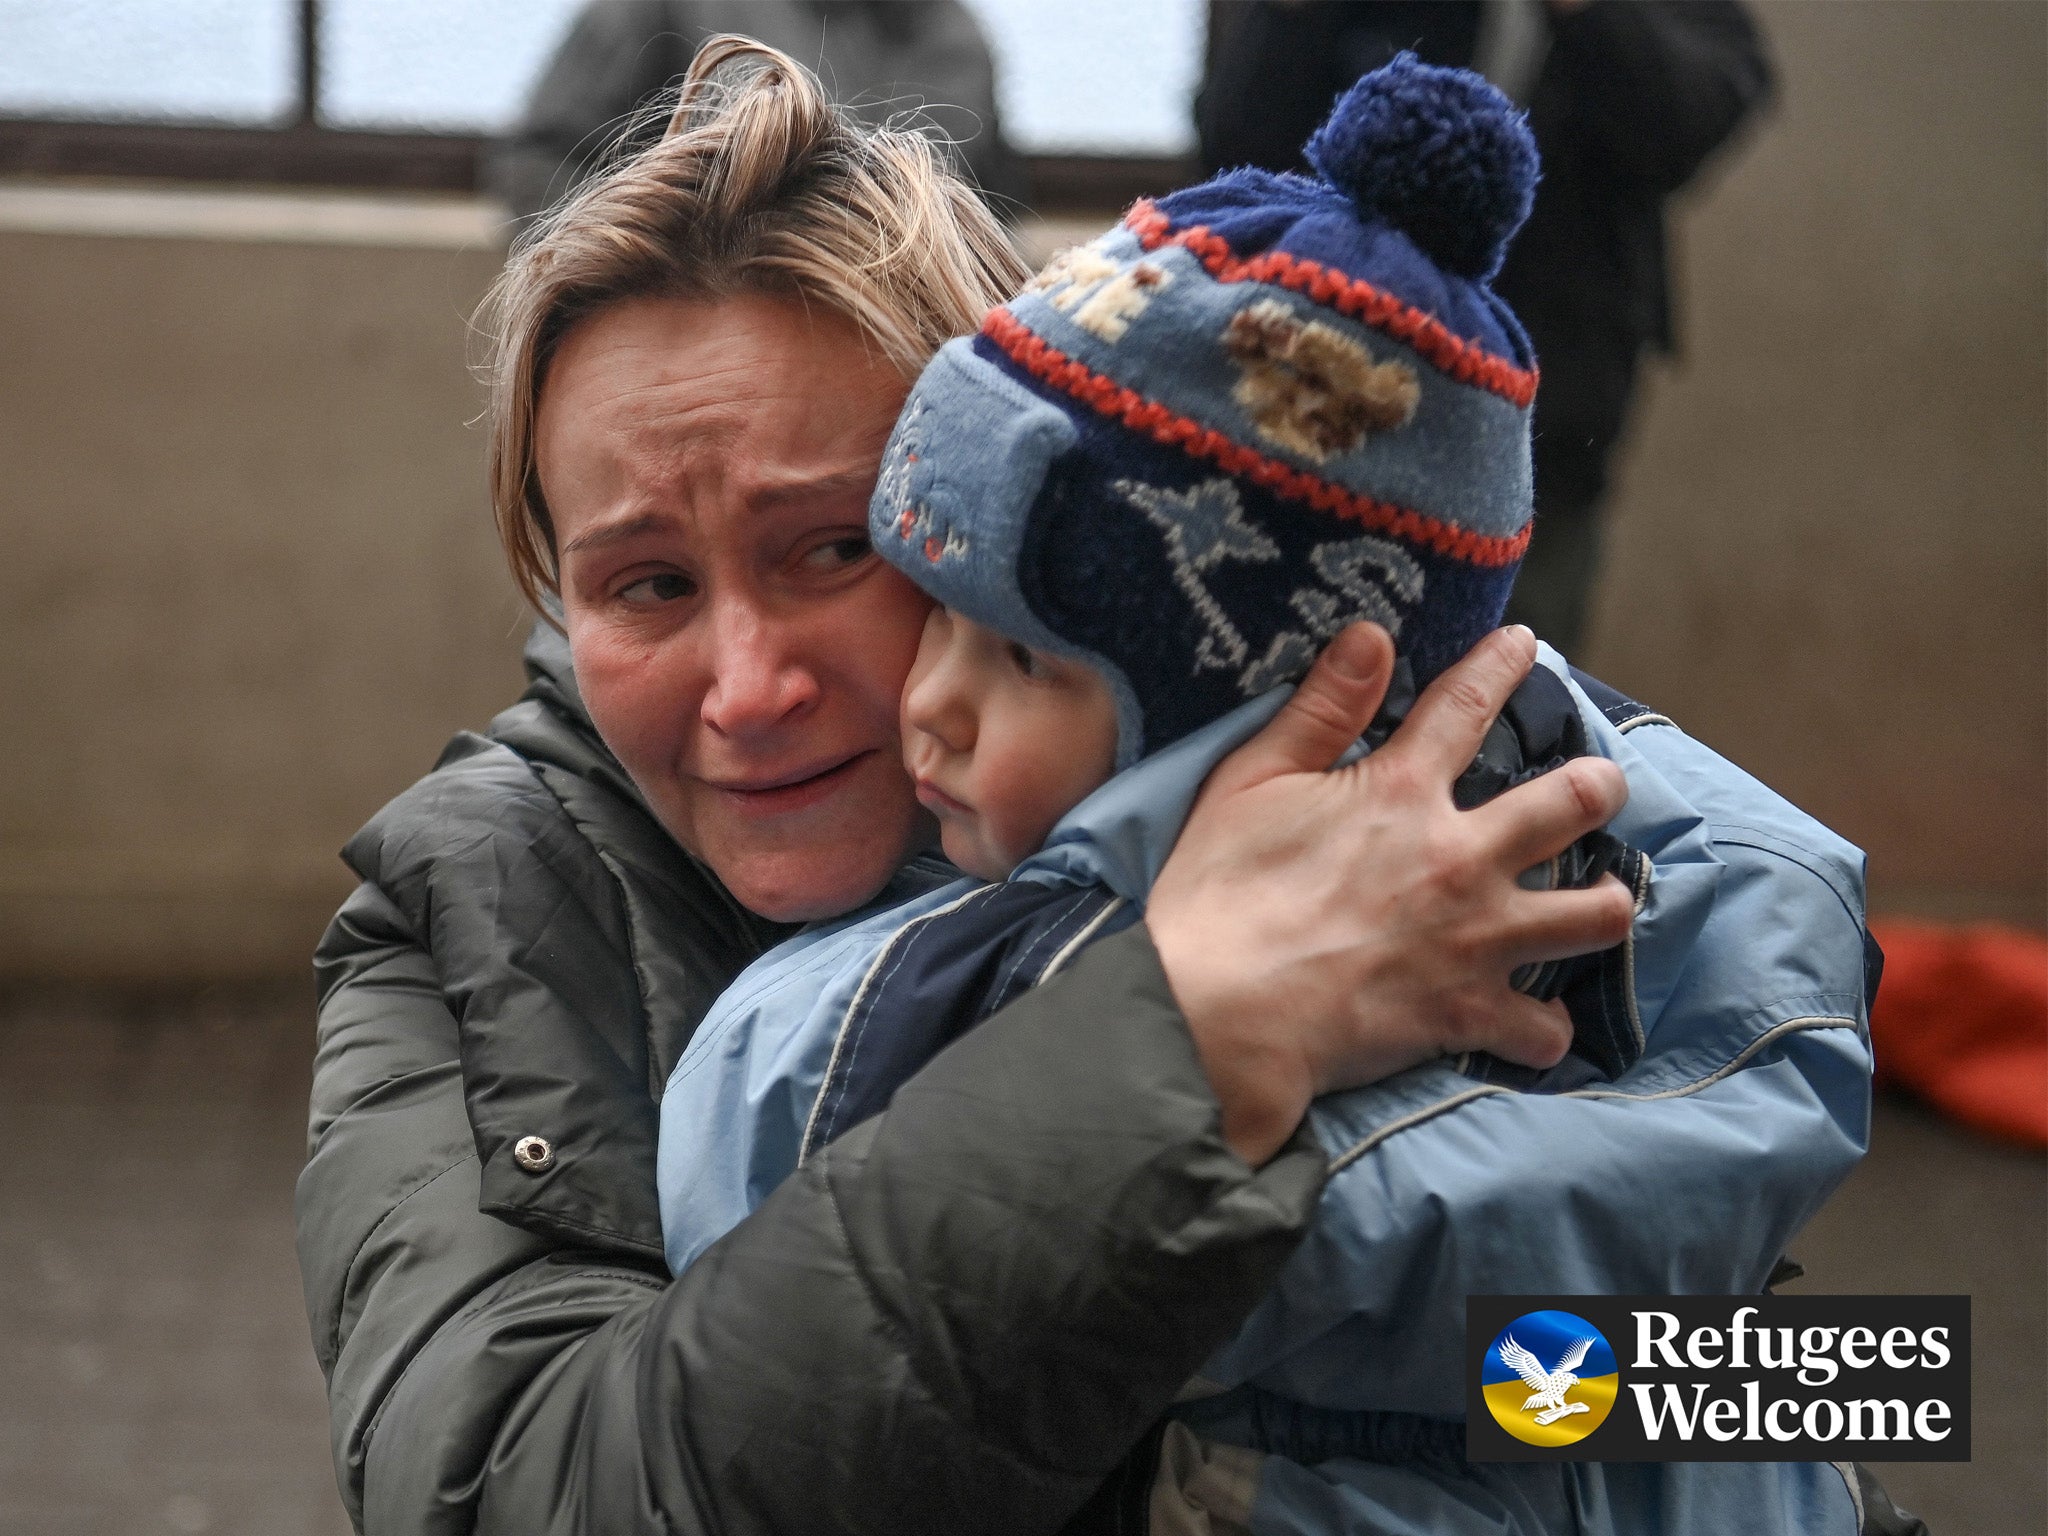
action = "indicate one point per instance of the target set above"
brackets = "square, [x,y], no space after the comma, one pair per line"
[1689,1174]
[970,1307]
[1661,84]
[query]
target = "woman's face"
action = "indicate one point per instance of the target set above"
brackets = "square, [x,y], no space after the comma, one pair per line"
[739,645]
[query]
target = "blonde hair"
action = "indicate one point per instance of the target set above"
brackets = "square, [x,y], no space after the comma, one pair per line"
[760,183]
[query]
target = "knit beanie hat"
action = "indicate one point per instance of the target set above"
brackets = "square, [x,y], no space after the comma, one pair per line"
[1258,410]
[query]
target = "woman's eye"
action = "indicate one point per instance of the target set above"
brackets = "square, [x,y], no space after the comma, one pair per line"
[834,553]
[663,587]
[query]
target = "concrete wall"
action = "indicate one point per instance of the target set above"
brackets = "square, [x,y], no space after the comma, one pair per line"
[250,586]
[1828,551]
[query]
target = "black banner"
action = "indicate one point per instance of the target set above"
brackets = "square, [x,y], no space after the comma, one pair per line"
[1717,1378]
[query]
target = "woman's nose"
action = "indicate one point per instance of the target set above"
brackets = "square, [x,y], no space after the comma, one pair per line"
[760,679]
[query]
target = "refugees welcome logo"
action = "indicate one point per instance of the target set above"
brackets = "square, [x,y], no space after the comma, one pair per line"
[1549,1378]
[1718,1378]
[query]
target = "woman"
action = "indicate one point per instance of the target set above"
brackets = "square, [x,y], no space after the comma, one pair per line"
[978,1302]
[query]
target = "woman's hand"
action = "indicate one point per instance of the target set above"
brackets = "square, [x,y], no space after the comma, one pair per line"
[1323,930]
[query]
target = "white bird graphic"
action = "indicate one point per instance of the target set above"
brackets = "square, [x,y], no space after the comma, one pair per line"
[1550,1386]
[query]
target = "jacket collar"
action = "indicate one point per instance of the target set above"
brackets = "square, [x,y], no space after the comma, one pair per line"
[1120,835]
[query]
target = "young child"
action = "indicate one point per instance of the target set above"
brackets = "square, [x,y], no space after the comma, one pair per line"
[1146,495]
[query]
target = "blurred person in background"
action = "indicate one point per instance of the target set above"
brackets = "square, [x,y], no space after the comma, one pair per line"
[1628,100]
[880,57]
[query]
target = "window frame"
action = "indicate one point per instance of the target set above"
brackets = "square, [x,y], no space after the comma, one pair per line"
[300,151]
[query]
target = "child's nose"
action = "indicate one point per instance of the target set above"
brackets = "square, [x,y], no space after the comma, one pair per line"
[937,705]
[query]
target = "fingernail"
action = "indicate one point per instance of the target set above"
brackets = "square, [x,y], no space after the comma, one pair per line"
[1522,632]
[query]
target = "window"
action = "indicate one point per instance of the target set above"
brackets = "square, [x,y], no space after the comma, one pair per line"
[450,66]
[223,61]
[1079,77]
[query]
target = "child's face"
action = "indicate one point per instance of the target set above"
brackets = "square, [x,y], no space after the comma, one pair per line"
[1002,741]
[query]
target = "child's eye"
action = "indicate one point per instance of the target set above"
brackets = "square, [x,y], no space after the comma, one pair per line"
[662,587]
[1028,661]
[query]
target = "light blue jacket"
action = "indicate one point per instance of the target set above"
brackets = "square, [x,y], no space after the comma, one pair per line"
[1688,1174]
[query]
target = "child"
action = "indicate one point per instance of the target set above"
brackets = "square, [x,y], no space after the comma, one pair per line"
[1147,494]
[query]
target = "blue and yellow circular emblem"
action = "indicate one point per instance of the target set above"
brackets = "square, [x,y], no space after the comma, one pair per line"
[1549,1378]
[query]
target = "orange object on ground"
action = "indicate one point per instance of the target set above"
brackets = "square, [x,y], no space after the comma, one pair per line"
[1962,1020]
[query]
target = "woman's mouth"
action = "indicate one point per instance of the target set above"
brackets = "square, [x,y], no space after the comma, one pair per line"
[778,795]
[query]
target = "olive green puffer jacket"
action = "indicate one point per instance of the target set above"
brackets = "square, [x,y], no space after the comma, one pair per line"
[960,1317]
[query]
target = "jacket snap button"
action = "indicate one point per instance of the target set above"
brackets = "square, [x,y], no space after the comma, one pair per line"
[534,1154]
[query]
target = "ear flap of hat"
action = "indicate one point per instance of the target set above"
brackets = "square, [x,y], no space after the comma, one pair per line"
[960,478]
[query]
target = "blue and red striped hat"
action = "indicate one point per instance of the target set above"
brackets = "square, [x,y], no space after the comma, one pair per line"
[1257,410]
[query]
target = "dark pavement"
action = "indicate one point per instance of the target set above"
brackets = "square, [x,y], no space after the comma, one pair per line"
[153,1346]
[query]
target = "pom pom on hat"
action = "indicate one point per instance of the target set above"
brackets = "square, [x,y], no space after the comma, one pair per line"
[1439,154]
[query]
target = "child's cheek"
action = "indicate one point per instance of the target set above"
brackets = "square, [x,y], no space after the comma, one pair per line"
[1016,806]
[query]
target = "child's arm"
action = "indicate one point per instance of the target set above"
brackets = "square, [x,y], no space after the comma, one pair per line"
[733,1112]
